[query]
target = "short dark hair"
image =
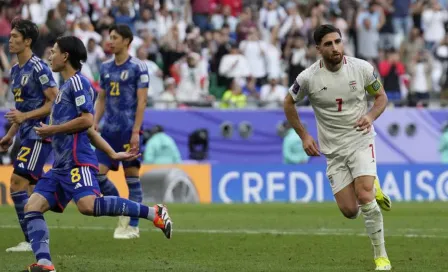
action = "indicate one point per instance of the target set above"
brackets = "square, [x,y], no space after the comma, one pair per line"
[323,30]
[123,30]
[28,29]
[77,53]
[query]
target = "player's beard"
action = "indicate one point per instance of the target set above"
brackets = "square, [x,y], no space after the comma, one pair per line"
[334,59]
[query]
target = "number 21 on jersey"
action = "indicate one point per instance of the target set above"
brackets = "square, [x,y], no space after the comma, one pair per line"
[115,88]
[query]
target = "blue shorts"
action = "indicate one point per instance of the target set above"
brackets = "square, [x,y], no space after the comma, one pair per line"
[31,159]
[59,188]
[120,143]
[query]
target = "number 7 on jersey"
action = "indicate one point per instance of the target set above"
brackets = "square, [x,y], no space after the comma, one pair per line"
[339,103]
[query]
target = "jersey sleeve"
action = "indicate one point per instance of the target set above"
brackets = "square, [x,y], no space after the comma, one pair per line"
[142,76]
[372,84]
[102,79]
[82,94]
[299,88]
[44,76]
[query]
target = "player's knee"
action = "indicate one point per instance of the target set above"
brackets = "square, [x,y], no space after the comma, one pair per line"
[365,196]
[85,206]
[18,184]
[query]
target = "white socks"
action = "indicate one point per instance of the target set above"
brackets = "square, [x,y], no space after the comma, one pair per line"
[373,220]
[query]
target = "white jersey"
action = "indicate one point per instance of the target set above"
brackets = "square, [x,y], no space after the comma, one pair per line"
[339,99]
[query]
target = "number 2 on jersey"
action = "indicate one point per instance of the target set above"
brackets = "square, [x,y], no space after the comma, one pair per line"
[339,102]
[17,95]
[115,89]
[24,151]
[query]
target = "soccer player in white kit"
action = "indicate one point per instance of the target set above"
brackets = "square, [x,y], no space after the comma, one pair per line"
[337,88]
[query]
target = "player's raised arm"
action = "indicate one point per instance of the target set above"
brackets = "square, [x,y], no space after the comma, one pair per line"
[373,86]
[47,85]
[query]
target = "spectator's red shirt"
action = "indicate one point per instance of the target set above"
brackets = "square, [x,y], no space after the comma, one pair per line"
[236,6]
[385,66]
[5,27]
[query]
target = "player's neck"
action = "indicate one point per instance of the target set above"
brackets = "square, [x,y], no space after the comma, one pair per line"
[24,56]
[333,67]
[121,57]
[68,72]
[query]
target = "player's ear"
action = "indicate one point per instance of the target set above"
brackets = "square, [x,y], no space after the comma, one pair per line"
[28,42]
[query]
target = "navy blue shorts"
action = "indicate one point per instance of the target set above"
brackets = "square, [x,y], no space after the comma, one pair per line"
[31,159]
[120,143]
[60,187]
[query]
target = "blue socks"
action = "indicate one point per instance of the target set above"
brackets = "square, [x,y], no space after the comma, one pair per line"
[106,186]
[39,237]
[20,199]
[135,194]
[116,206]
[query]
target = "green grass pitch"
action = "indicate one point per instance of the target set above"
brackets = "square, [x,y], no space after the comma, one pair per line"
[263,237]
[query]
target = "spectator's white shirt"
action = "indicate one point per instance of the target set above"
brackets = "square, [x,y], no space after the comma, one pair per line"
[166,101]
[163,25]
[35,12]
[218,21]
[419,80]
[232,66]
[255,53]
[94,57]
[271,18]
[85,36]
[273,56]
[272,95]
[150,26]
[192,85]
[287,25]
[155,82]
[433,25]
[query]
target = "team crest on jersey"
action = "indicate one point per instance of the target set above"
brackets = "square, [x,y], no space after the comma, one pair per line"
[24,80]
[352,85]
[124,75]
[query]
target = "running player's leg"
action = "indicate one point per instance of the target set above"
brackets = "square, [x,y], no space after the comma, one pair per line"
[363,168]
[341,182]
[105,163]
[47,195]
[28,167]
[132,175]
[87,199]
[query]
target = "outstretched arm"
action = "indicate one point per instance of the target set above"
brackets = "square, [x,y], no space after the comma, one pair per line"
[101,144]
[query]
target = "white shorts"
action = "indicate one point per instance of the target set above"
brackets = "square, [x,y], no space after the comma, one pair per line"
[350,163]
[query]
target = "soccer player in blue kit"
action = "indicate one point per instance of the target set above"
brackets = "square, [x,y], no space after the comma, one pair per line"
[34,90]
[124,82]
[73,175]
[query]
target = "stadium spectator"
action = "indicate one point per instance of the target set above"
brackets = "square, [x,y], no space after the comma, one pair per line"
[293,152]
[161,148]
[421,82]
[390,70]
[275,37]
[234,97]
[272,94]
[167,99]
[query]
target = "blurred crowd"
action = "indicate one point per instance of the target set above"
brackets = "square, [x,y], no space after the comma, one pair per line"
[246,53]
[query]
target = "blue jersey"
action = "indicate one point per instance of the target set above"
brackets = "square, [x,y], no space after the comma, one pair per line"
[28,85]
[75,97]
[121,84]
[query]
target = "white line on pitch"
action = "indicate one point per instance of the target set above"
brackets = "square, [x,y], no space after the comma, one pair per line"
[316,232]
